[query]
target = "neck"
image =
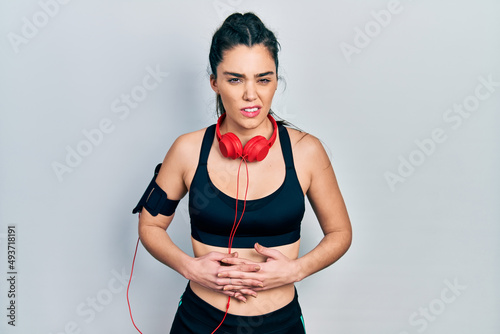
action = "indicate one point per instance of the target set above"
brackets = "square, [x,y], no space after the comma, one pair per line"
[264,129]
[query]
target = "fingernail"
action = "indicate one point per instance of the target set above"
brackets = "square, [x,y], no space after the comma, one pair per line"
[254,296]
[257,268]
[219,275]
[223,260]
[261,285]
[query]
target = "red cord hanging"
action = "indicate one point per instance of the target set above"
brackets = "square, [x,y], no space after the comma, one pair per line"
[235,226]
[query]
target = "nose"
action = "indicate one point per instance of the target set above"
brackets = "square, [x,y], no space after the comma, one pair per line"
[250,92]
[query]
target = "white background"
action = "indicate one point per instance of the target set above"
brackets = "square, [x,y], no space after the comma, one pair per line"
[65,73]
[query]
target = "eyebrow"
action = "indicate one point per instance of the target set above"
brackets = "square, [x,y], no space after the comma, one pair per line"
[239,75]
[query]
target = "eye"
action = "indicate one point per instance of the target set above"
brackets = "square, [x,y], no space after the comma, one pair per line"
[234,80]
[264,81]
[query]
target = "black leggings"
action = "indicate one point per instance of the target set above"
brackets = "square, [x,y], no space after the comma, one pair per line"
[196,316]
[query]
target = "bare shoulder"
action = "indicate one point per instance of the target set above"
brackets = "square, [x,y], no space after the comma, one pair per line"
[307,149]
[189,141]
[180,162]
[309,157]
[185,149]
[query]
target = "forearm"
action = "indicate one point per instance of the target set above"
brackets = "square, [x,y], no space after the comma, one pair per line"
[158,243]
[328,251]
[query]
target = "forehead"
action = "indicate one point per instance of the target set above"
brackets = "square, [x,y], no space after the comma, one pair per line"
[244,59]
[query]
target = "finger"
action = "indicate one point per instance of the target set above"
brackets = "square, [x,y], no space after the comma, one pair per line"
[235,257]
[230,273]
[238,291]
[272,253]
[232,287]
[241,267]
[218,256]
[239,288]
[239,296]
[234,294]
[248,292]
[234,260]
[221,282]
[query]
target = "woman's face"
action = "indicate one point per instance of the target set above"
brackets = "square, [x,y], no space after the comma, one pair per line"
[246,81]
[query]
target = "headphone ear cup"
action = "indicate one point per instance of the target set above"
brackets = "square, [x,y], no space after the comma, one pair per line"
[256,149]
[230,146]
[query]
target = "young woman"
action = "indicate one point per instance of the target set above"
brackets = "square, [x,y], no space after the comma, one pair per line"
[253,186]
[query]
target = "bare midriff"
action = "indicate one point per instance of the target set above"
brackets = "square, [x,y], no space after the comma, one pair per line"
[266,300]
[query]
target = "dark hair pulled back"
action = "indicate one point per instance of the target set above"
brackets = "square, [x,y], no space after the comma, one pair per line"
[240,29]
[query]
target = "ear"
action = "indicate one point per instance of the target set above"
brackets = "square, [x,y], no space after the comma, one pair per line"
[213,83]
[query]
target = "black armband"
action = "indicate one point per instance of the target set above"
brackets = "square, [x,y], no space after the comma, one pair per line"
[155,199]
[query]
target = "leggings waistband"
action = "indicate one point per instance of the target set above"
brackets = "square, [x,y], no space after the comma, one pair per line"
[276,320]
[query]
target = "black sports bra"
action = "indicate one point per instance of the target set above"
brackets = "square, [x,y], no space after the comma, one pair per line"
[273,220]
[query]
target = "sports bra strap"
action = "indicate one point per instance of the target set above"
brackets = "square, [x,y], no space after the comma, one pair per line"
[206,144]
[286,146]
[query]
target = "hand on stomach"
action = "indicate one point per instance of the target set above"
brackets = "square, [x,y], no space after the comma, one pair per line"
[260,279]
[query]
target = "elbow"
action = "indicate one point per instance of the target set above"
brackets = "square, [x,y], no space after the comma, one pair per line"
[348,237]
[348,240]
[344,240]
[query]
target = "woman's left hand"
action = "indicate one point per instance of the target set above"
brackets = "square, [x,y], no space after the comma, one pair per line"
[278,270]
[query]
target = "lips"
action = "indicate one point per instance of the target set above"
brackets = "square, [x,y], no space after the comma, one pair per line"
[251,111]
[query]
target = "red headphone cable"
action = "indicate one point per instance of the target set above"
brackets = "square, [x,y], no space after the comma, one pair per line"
[235,226]
[130,280]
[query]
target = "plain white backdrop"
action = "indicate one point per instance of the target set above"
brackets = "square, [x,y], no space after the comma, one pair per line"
[404,94]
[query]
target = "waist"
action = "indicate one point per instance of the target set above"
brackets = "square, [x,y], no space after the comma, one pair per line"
[290,250]
[266,301]
[277,302]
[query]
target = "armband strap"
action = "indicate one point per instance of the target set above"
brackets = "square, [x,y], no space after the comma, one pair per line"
[155,199]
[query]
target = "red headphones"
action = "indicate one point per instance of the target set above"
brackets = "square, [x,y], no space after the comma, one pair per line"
[255,150]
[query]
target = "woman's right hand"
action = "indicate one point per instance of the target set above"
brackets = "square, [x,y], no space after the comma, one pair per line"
[204,270]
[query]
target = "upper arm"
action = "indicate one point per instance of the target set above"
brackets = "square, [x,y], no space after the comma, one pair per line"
[171,179]
[323,190]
